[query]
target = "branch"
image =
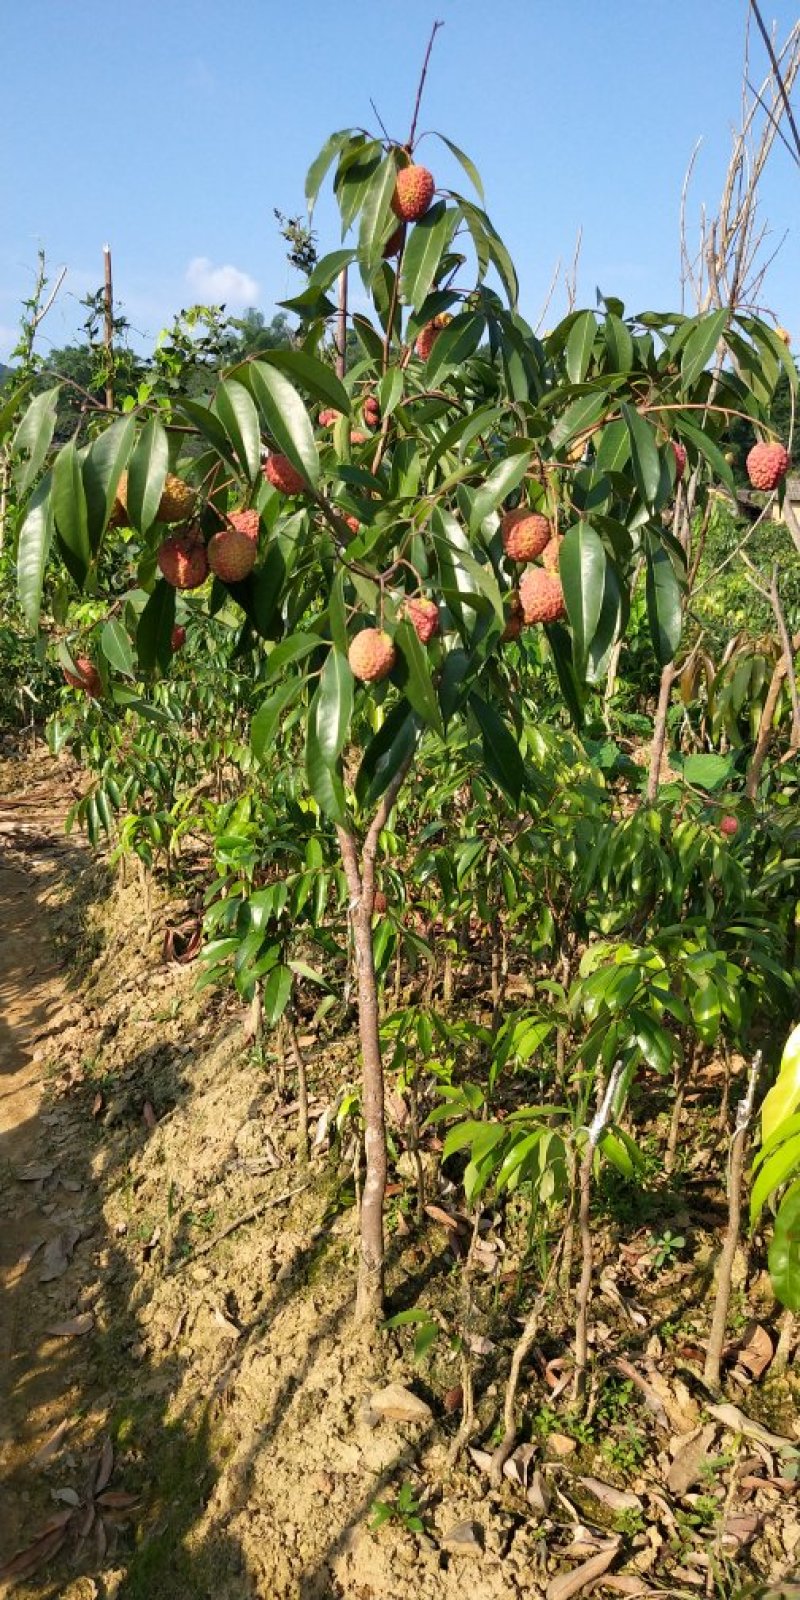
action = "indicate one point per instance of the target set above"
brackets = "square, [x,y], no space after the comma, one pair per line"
[778,74]
[421,84]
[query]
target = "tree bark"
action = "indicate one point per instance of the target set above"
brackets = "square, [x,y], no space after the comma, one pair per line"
[716,1337]
[660,732]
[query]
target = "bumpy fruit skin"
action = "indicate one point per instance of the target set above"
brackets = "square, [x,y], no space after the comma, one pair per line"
[371,412]
[178,637]
[246,522]
[525,534]
[358,436]
[729,826]
[424,616]
[515,619]
[178,501]
[282,475]
[371,655]
[767,465]
[551,554]
[231,555]
[427,336]
[183,561]
[680,459]
[328,418]
[85,677]
[413,193]
[541,596]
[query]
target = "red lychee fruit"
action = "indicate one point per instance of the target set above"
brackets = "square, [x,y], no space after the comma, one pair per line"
[282,475]
[85,677]
[394,243]
[413,193]
[541,596]
[357,436]
[767,465]
[525,534]
[729,826]
[680,459]
[514,619]
[380,903]
[231,555]
[353,524]
[551,554]
[371,655]
[183,561]
[371,412]
[328,418]
[178,637]
[424,616]
[246,522]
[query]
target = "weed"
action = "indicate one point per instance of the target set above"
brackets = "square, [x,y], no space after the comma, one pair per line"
[404,1509]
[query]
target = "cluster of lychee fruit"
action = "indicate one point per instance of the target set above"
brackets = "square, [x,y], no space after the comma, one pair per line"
[372,653]
[528,535]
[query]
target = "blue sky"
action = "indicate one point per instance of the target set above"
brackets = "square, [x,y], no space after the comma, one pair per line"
[172,128]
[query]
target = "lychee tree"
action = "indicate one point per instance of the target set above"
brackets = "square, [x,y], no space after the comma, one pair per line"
[390,538]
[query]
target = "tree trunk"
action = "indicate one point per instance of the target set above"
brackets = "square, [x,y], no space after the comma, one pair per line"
[659,733]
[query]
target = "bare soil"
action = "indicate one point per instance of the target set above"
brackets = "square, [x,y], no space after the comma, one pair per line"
[207,1380]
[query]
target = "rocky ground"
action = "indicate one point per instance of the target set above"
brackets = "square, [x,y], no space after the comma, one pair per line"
[188,1410]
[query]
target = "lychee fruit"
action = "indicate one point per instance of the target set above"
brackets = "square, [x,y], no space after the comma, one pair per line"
[551,554]
[85,677]
[394,243]
[178,500]
[183,561]
[246,522]
[541,596]
[371,412]
[514,619]
[119,511]
[424,616]
[357,436]
[371,655]
[231,555]
[729,826]
[413,193]
[353,524]
[328,418]
[427,336]
[178,637]
[380,903]
[680,459]
[525,534]
[767,465]
[282,475]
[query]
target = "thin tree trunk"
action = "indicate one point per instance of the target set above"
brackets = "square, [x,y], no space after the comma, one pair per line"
[341,326]
[660,732]
[109,327]
[680,1080]
[587,1267]
[716,1338]
[298,1061]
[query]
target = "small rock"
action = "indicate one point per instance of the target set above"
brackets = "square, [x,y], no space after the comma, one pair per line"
[558,1444]
[396,1404]
[464,1539]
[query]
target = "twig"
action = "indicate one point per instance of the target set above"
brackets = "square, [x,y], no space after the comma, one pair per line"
[594,1135]
[264,1204]
[522,1349]
[774,63]
[716,1338]
[421,84]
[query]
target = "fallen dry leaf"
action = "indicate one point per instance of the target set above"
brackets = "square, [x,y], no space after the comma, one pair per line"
[692,1457]
[57,1253]
[438,1214]
[754,1353]
[104,1468]
[72,1327]
[148,1116]
[397,1404]
[732,1417]
[566,1584]
[50,1446]
[617,1499]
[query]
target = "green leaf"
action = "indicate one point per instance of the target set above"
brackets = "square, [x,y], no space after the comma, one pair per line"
[10,406]
[784,1096]
[376,213]
[147,471]
[619,343]
[779,1167]
[501,481]
[33,546]
[664,608]
[286,418]
[266,721]
[154,629]
[208,424]
[707,772]
[707,448]
[644,453]
[354,175]
[323,781]
[580,344]
[292,649]
[784,1251]
[322,163]
[316,377]
[275,998]
[34,435]
[582,566]
[69,508]
[390,390]
[701,344]
[413,674]
[334,707]
[468,165]
[579,416]
[237,413]
[386,753]
[424,249]
[500,750]
[102,466]
[455,344]
[116,647]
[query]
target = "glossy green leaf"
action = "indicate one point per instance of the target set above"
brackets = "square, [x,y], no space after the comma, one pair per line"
[116,647]
[390,391]
[333,706]
[645,458]
[582,566]
[413,674]
[701,344]
[386,753]
[237,413]
[322,163]
[266,722]
[500,482]
[286,418]
[707,771]
[780,1167]
[664,608]
[455,344]
[292,649]
[102,467]
[784,1251]
[12,402]
[209,425]
[275,998]
[69,508]
[316,377]
[154,629]
[464,161]
[784,1096]
[147,470]
[580,345]
[619,343]
[323,781]
[33,438]
[500,749]
[32,550]
[425,246]
[377,217]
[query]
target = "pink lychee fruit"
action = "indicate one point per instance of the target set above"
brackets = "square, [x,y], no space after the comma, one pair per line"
[178,637]
[424,616]
[729,826]
[282,475]
[183,561]
[525,534]
[231,555]
[767,465]
[541,596]
[246,522]
[371,655]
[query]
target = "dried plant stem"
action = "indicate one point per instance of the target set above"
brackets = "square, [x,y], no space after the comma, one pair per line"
[298,1062]
[522,1350]
[716,1338]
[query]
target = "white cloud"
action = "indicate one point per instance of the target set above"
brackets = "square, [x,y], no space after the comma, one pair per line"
[227,284]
